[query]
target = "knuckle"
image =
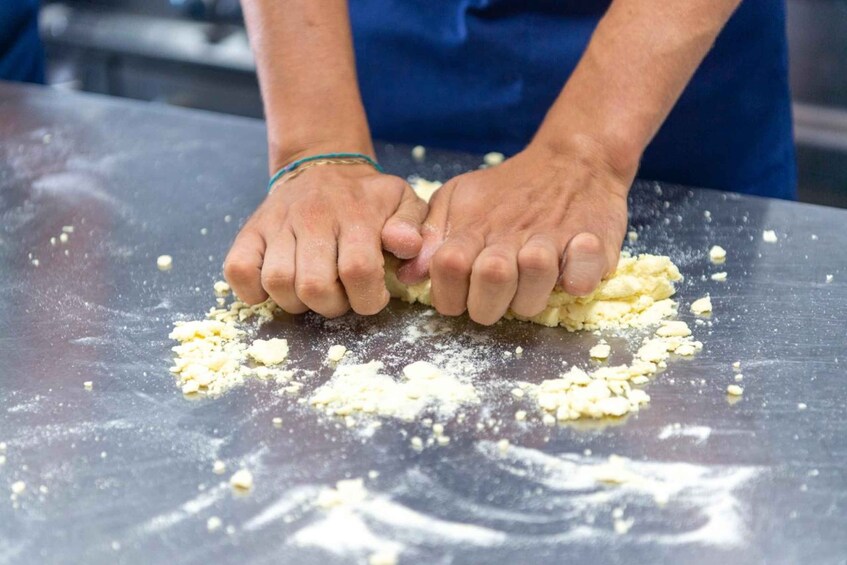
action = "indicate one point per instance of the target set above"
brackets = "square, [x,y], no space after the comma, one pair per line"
[497,269]
[579,286]
[358,269]
[586,243]
[238,271]
[452,263]
[537,259]
[277,280]
[312,288]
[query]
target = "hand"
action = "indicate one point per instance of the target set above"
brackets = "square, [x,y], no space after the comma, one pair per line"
[505,236]
[316,241]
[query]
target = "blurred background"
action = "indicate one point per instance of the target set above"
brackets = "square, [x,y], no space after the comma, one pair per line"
[194,53]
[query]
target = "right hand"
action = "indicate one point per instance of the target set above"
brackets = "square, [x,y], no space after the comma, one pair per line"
[316,242]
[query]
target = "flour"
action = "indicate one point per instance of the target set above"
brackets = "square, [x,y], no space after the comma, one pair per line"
[577,485]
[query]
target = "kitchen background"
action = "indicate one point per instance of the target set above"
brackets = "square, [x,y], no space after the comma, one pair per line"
[194,53]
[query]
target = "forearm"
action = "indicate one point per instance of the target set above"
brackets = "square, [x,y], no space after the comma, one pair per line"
[307,74]
[637,64]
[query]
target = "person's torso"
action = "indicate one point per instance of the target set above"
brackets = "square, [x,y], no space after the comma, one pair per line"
[21,56]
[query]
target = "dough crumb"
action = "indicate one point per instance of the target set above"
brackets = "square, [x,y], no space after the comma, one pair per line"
[164,262]
[277,422]
[769,236]
[383,558]
[622,526]
[517,392]
[734,390]
[336,353]
[268,351]
[702,306]
[18,487]
[221,288]
[88,385]
[503,445]
[213,523]
[241,480]
[219,467]
[632,236]
[67,229]
[419,153]
[717,254]
[600,351]
[519,352]
[63,237]
[417,443]
[191,387]
[737,365]
[801,406]
[829,279]
[493,158]
[520,415]
[347,492]
[719,277]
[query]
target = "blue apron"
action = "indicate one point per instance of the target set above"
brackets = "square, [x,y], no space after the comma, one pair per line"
[479,75]
[21,55]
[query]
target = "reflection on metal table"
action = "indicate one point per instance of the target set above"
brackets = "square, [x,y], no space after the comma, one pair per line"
[123,472]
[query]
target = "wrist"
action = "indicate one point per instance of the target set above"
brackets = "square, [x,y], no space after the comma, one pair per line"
[285,153]
[587,149]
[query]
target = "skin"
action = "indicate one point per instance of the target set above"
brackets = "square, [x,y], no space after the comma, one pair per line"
[491,239]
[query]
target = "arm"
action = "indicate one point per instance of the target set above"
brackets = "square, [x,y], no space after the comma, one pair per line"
[307,74]
[556,212]
[316,241]
[639,60]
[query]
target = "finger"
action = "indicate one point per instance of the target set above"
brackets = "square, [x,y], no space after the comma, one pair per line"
[450,271]
[278,272]
[494,280]
[432,234]
[401,234]
[585,264]
[316,279]
[538,268]
[361,268]
[243,266]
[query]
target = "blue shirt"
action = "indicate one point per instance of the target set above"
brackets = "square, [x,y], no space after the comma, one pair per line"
[21,55]
[479,75]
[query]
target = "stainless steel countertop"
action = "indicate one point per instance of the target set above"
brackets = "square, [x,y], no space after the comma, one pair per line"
[127,465]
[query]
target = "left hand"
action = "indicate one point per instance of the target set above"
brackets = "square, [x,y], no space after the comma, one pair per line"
[505,236]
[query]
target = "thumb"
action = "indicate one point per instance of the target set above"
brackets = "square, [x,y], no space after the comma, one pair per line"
[432,233]
[401,234]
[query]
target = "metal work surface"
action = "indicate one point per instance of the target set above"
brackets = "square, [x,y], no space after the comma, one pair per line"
[126,468]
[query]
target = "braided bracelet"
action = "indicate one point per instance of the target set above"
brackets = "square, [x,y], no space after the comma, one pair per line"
[291,170]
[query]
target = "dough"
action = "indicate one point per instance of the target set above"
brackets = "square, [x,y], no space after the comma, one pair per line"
[365,389]
[268,352]
[636,295]
[717,254]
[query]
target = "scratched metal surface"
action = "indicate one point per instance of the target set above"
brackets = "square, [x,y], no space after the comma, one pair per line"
[127,466]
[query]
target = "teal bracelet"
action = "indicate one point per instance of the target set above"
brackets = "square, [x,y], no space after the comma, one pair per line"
[291,167]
